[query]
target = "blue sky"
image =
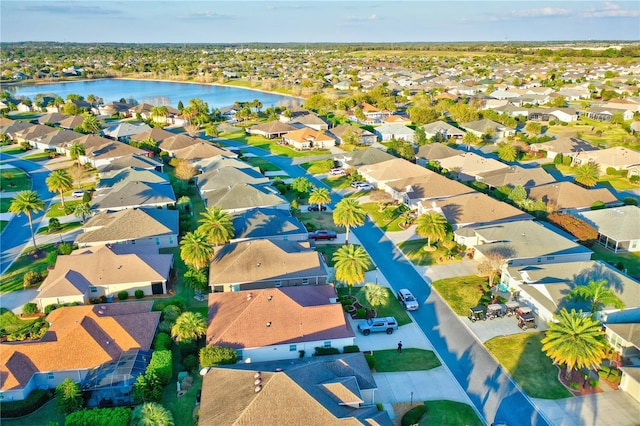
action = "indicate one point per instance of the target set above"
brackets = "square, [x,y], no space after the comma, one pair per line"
[317,21]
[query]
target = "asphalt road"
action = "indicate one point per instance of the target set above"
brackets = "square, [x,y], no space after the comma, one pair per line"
[17,234]
[489,387]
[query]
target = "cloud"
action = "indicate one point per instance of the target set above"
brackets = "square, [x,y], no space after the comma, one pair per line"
[289,6]
[372,17]
[69,8]
[611,10]
[208,14]
[544,12]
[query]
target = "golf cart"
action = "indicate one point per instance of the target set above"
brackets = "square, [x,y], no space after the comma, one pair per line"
[494,311]
[526,318]
[477,314]
[511,308]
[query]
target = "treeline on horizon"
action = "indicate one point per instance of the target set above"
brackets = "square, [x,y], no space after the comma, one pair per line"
[584,49]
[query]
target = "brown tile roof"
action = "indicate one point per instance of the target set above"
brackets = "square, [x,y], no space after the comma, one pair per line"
[129,224]
[264,260]
[307,134]
[98,147]
[272,127]
[257,318]
[430,185]
[79,337]
[398,168]
[471,164]
[567,195]
[156,134]
[201,150]
[477,208]
[516,175]
[175,142]
[35,131]
[436,151]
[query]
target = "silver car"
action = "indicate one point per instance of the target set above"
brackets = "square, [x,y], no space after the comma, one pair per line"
[406,298]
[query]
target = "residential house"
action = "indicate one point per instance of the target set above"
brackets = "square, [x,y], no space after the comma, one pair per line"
[71,122]
[379,174]
[123,131]
[91,272]
[101,151]
[606,114]
[293,113]
[565,146]
[118,178]
[113,108]
[79,338]
[617,157]
[628,334]
[10,127]
[473,209]
[271,130]
[244,196]
[387,132]
[326,390]
[618,228]
[221,161]
[54,140]
[515,176]
[483,127]
[365,137]
[623,104]
[156,227]
[364,157]
[257,264]
[136,161]
[134,195]
[200,153]
[567,196]
[424,188]
[467,166]
[272,224]
[32,133]
[522,243]
[308,138]
[373,114]
[566,115]
[434,152]
[227,177]
[397,119]
[175,142]
[156,134]
[276,323]
[545,287]
[310,120]
[53,118]
[441,129]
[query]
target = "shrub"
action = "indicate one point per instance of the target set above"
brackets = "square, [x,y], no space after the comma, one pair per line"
[379,406]
[576,227]
[162,342]
[123,295]
[594,383]
[574,385]
[36,399]
[161,364]
[54,224]
[211,356]
[557,159]
[65,248]
[620,266]
[190,362]
[301,353]
[171,313]
[566,161]
[598,205]
[32,278]
[634,179]
[68,209]
[413,416]
[139,294]
[99,417]
[361,313]
[49,308]
[188,347]
[611,171]
[326,351]
[350,349]
[371,361]
[51,258]
[630,201]
[30,308]
[68,396]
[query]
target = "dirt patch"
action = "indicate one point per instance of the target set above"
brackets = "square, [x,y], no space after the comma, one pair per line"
[584,387]
[400,408]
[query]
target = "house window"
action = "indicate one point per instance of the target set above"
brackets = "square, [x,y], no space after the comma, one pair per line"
[550,257]
[278,283]
[51,375]
[292,348]
[239,354]
[171,240]
[327,344]
[157,241]
[305,281]
[93,289]
[285,238]
[539,260]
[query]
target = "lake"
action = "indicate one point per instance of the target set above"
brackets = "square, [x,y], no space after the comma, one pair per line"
[153,92]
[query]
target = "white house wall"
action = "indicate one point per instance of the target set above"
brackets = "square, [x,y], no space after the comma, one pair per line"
[280,352]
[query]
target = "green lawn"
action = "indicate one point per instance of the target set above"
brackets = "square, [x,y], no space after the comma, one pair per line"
[597,133]
[321,220]
[414,250]
[4,204]
[461,293]
[621,183]
[12,323]
[3,224]
[411,359]
[48,414]
[392,308]
[271,145]
[262,164]
[329,249]
[339,182]
[450,413]
[562,168]
[182,407]
[38,156]
[12,150]
[56,210]
[318,167]
[64,227]
[12,278]
[631,261]
[389,219]
[13,180]
[522,356]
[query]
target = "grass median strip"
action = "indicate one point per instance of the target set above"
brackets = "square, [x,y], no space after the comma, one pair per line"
[411,359]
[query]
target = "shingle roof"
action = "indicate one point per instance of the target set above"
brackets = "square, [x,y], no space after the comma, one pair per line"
[436,151]
[629,332]
[620,223]
[262,260]
[137,161]
[98,147]
[118,178]
[201,150]
[478,208]
[244,196]
[429,185]
[398,168]
[564,145]
[273,127]
[129,224]
[516,175]
[155,133]
[79,337]
[367,156]
[293,314]
[567,195]
[228,176]
[265,223]
[136,194]
[471,164]
[123,129]
[442,127]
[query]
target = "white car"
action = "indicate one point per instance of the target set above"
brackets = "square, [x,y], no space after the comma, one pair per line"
[337,172]
[364,186]
[78,193]
[408,301]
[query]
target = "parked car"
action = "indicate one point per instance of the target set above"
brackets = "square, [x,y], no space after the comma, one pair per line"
[355,183]
[78,193]
[386,324]
[337,172]
[477,313]
[314,208]
[526,318]
[364,186]
[323,235]
[406,298]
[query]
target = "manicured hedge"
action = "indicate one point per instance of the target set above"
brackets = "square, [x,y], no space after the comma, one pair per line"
[211,356]
[36,399]
[413,416]
[162,342]
[350,349]
[99,417]
[161,363]
[326,351]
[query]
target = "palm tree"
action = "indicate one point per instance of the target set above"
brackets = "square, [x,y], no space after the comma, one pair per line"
[598,293]
[431,225]
[587,174]
[351,262]
[575,340]
[507,152]
[82,210]
[59,181]
[91,124]
[217,225]
[348,213]
[27,202]
[151,414]
[189,326]
[320,196]
[375,294]
[196,250]
[76,150]
[160,112]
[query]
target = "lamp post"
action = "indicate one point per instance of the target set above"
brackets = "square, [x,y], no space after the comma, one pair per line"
[376,275]
[411,405]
